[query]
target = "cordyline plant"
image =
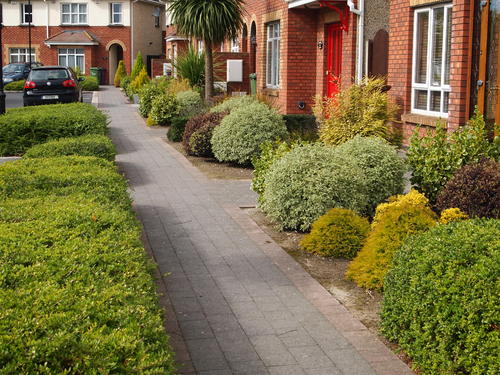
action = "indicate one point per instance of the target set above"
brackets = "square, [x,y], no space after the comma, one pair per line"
[212,21]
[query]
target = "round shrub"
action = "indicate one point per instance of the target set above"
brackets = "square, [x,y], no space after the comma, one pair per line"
[475,189]
[200,141]
[240,134]
[441,302]
[307,182]
[234,102]
[190,103]
[176,129]
[87,145]
[198,122]
[146,96]
[163,109]
[397,222]
[338,233]
[382,167]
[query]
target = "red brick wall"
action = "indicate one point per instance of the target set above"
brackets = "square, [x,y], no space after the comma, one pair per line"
[157,66]
[221,70]
[400,63]
[95,56]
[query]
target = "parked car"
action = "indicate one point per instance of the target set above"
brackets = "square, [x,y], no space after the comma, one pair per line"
[17,71]
[52,84]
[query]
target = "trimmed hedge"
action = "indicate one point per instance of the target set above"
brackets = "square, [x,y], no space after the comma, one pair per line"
[239,136]
[146,96]
[15,86]
[338,233]
[90,83]
[475,189]
[307,182]
[441,302]
[76,291]
[86,145]
[234,102]
[200,141]
[96,177]
[303,127]
[382,167]
[190,103]
[22,128]
[164,108]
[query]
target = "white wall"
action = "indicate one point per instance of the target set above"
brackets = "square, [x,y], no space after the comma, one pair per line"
[98,12]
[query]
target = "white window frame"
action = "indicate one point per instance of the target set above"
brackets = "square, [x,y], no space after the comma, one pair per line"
[235,45]
[75,52]
[23,14]
[72,13]
[200,46]
[427,86]
[273,55]
[113,13]
[20,54]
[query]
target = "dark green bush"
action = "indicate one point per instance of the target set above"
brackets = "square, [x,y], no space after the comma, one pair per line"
[86,145]
[474,189]
[303,127]
[176,129]
[14,86]
[338,233]
[28,178]
[76,293]
[197,122]
[441,302]
[200,141]
[22,128]
[90,83]
[435,157]
[382,167]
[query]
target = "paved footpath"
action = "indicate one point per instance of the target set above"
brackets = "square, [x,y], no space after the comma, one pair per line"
[235,302]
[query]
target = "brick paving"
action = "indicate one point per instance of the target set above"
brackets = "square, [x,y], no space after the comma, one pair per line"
[235,302]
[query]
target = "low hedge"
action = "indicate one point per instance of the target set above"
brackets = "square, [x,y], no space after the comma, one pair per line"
[22,128]
[15,86]
[303,127]
[90,83]
[76,291]
[86,145]
[441,302]
[96,177]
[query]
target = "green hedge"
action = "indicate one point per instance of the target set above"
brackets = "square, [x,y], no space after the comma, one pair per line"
[22,128]
[441,300]
[90,83]
[14,86]
[302,127]
[76,291]
[86,145]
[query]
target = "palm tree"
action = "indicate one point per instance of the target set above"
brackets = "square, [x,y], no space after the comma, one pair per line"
[212,21]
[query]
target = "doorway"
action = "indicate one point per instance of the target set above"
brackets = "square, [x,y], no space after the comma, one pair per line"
[334,59]
[115,55]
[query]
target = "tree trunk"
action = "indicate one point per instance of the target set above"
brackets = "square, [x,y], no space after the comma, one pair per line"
[209,72]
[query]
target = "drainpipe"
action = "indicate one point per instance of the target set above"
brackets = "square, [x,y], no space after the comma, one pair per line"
[48,18]
[360,36]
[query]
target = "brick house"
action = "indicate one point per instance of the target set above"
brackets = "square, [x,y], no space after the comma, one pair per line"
[84,33]
[433,53]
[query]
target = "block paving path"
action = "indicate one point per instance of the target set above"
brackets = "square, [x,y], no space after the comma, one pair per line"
[235,302]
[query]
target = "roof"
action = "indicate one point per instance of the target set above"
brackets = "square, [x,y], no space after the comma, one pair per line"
[72,38]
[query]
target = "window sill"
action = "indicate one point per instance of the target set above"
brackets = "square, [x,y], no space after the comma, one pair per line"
[271,91]
[116,25]
[73,24]
[26,25]
[415,118]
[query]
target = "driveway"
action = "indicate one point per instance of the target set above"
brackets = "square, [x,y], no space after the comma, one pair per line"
[15,99]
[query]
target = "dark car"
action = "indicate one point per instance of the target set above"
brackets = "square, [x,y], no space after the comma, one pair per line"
[52,84]
[17,71]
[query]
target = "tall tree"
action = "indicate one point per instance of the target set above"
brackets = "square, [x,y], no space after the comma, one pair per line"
[212,21]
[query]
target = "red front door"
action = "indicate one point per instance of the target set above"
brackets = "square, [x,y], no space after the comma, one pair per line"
[334,64]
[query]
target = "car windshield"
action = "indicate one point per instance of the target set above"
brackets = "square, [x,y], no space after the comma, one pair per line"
[13,68]
[48,74]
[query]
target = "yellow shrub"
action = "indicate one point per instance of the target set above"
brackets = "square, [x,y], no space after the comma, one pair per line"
[178,85]
[393,226]
[338,233]
[150,121]
[413,198]
[452,214]
[139,81]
